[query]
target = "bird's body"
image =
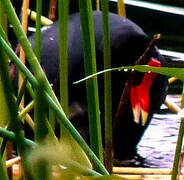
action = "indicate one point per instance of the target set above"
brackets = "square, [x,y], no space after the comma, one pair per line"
[128,42]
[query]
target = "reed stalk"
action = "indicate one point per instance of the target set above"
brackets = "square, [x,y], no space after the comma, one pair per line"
[51,15]
[146,177]
[40,109]
[38,29]
[25,6]
[142,171]
[121,8]
[63,73]
[44,21]
[4,110]
[88,41]
[10,108]
[14,122]
[63,12]
[178,150]
[9,135]
[107,87]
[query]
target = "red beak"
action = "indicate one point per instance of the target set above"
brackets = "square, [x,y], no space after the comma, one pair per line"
[140,95]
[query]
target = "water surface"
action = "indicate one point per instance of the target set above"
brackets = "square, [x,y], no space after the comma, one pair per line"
[158,144]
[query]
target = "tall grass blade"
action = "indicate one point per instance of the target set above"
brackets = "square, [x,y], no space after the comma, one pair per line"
[51,15]
[10,111]
[25,6]
[63,69]
[14,123]
[52,118]
[177,156]
[4,113]
[40,119]
[107,87]
[4,117]
[38,30]
[167,71]
[88,41]
[178,150]
[4,108]
[63,53]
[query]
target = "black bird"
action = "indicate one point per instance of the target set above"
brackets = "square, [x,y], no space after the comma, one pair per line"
[128,42]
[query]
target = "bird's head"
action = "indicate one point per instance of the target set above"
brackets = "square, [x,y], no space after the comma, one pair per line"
[140,94]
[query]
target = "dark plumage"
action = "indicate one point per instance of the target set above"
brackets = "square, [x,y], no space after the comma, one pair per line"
[128,42]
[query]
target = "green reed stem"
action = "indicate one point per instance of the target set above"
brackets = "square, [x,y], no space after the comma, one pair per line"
[9,135]
[107,87]
[52,118]
[40,113]
[88,41]
[63,12]
[4,111]
[178,150]
[15,123]
[38,30]
[63,7]
[63,67]
[40,107]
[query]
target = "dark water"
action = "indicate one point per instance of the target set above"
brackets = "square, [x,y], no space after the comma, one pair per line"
[158,144]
